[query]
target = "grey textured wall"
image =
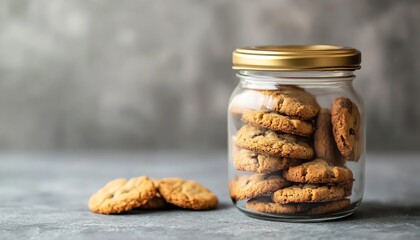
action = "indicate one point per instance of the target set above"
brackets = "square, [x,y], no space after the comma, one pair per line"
[137,74]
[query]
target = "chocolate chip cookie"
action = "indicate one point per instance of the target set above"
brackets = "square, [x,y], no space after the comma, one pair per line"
[264,204]
[318,171]
[273,143]
[246,160]
[291,101]
[324,144]
[345,119]
[329,207]
[302,193]
[122,195]
[249,186]
[187,194]
[275,121]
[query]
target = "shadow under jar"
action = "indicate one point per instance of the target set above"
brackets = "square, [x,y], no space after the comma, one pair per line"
[296,133]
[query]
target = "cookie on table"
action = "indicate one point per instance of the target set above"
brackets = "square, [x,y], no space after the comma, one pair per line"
[121,195]
[324,143]
[187,194]
[272,143]
[249,186]
[249,161]
[304,193]
[264,204]
[275,121]
[345,119]
[329,207]
[291,101]
[318,171]
[157,202]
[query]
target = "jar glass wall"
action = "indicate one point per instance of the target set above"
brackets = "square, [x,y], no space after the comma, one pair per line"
[296,145]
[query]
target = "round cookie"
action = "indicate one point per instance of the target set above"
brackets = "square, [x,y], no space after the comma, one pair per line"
[187,194]
[291,101]
[249,186]
[324,144]
[157,202]
[309,193]
[264,204]
[275,121]
[318,171]
[329,207]
[122,195]
[272,143]
[345,119]
[249,161]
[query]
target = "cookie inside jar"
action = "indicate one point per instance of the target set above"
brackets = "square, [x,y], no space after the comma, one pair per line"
[296,140]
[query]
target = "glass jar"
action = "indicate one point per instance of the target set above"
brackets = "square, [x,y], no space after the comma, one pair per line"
[296,133]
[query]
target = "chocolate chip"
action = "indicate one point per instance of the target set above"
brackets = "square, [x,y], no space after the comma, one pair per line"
[346,103]
[342,139]
[257,134]
[255,158]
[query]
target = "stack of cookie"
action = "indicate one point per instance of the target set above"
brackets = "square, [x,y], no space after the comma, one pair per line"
[296,153]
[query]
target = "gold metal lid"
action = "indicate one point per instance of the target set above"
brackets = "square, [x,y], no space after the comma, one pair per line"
[296,58]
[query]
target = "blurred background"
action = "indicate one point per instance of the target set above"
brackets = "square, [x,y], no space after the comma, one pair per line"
[133,75]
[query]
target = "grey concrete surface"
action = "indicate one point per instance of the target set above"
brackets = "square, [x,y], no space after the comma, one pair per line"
[141,74]
[44,197]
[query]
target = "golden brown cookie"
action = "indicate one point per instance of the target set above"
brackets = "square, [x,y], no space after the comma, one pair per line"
[157,202]
[345,119]
[324,144]
[318,171]
[275,121]
[264,204]
[249,186]
[328,207]
[291,101]
[309,193]
[246,160]
[187,194]
[272,143]
[122,195]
